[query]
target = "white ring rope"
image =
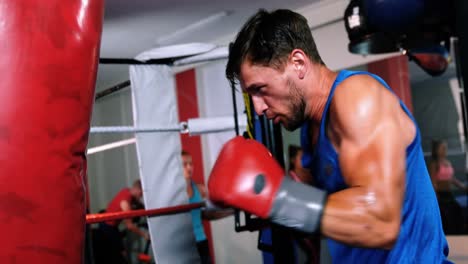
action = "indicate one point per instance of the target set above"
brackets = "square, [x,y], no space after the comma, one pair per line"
[194,126]
[182,128]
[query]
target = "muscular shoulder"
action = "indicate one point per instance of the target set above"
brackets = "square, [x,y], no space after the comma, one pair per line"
[359,103]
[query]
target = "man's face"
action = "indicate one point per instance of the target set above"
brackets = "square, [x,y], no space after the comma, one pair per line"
[187,166]
[274,93]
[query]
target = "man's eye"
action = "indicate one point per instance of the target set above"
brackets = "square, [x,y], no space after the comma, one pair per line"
[258,89]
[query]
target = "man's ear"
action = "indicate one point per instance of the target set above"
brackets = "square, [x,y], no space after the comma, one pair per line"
[298,59]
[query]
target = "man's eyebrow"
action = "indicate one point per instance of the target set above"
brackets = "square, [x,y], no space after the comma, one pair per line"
[252,87]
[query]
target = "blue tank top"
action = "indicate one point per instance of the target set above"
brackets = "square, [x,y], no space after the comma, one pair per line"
[421,238]
[196,214]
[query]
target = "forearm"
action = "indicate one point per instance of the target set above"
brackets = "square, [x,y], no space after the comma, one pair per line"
[355,216]
[134,229]
[458,183]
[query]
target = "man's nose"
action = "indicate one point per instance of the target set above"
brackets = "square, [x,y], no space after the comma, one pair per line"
[259,105]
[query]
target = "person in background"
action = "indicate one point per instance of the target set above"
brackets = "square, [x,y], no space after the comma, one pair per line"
[112,239]
[310,245]
[197,193]
[442,177]
[296,170]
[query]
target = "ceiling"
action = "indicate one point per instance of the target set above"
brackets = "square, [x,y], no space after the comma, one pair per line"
[131,27]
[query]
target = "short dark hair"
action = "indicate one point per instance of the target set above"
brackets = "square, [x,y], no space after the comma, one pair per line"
[435,148]
[137,184]
[185,153]
[268,38]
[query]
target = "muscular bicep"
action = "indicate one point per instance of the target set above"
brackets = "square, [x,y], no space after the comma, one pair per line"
[372,154]
[377,165]
[372,145]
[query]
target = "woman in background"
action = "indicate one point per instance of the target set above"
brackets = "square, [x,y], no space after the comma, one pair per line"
[196,194]
[442,176]
[296,171]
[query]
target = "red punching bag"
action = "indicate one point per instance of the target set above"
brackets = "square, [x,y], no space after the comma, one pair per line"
[48,61]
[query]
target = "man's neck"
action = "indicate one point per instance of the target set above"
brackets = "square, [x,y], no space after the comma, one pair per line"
[318,96]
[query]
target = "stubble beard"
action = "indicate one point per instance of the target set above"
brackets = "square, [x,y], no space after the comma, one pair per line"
[296,108]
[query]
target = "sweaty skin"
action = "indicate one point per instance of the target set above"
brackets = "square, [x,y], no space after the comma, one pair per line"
[368,129]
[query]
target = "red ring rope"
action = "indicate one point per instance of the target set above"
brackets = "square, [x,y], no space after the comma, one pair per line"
[97,218]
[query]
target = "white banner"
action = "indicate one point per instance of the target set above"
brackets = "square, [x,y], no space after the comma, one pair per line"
[160,165]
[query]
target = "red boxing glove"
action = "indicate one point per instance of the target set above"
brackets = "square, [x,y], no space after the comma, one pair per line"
[259,177]
[246,176]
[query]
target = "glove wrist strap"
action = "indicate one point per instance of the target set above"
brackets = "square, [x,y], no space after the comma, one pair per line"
[298,206]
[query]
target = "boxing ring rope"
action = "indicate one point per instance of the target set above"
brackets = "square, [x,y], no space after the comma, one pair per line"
[103,217]
[182,128]
[194,126]
[147,120]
